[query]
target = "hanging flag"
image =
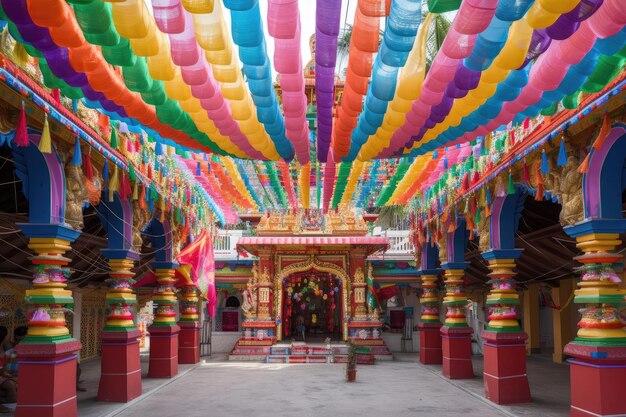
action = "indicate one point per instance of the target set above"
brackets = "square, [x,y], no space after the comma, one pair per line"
[372,297]
[199,255]
[387,291]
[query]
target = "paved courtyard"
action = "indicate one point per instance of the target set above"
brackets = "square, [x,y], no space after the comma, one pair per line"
[403,387]
[250,389]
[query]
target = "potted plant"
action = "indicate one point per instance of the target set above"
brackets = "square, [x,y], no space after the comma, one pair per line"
[351,364]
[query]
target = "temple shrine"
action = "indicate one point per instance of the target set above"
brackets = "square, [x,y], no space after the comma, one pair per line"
[434,190]
[309,283]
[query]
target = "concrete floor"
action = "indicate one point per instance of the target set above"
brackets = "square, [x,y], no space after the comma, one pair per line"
[403,387]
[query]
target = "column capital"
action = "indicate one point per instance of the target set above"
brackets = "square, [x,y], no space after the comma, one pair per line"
[597,226]
[164,265]
[455,265]
[120,254]
[47,230]
[433,271]
[494,254]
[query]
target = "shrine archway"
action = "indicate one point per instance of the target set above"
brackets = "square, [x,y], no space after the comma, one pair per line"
[315,265]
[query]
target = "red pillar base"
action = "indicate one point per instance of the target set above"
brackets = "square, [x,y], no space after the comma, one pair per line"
[163,351]
[120,369]
[597,385]
[430,343]
[504,373]
[47,379]
[457,352]
[189,342]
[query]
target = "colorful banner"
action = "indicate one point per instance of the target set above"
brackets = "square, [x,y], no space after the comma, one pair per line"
[200,256]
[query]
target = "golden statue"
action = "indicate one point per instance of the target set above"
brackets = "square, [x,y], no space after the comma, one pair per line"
[328,226]
[442,243]
[484,230]
[309,68]
[358,275]
[265,276]
[297,226]
[570,192]
[140,220]
[249,295]
[75,196]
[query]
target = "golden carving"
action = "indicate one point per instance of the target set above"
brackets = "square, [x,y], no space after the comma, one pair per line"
[140,220]
[75,196]
[249,295]
[343,223]
[566,183]
[568,186]
[265,276]
[442,243]
[484,230]
[8,117]
[358,276]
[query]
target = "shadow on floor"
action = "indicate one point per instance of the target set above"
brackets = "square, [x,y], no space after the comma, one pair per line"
[549,385]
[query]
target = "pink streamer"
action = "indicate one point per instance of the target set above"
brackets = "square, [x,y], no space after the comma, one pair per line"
[284,25]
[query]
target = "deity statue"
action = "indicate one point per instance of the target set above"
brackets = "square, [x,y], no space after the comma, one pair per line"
[265,276]
[442,243]
[140,220]
[264,223]
[484,231]
[75,196]
[249,295]
[359,276]
[328,225]
[297,226]
[309,68]
[570,193]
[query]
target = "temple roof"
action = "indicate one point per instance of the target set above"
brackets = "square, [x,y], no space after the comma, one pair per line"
[254,244]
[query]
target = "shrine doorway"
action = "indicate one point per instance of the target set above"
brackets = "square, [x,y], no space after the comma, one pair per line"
[329,274]
[312,307]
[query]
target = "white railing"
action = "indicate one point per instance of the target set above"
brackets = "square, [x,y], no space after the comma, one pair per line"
[400,246]
[225,245]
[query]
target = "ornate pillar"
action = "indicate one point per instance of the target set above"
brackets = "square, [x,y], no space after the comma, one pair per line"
[164,330]
[261,320]
[120,368]
[598,364]
[47,356]
[456,334]
[504,371]
[430,325]
[359,290]
[359,329]
[189,323]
